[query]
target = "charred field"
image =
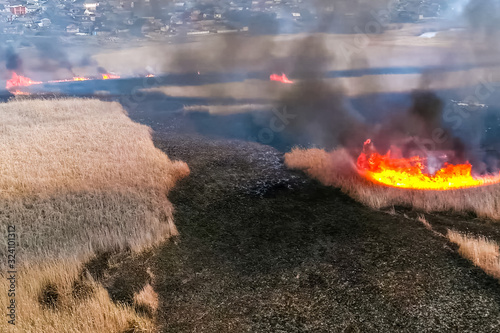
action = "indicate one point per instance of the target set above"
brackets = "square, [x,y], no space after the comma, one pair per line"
[262,248]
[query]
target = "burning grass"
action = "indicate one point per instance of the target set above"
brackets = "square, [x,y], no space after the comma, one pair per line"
[78,176]
[482,252]
[411,172]
[337,168]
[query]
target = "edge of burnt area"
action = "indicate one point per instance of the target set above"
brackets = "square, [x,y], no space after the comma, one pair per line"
[236,244]
[238,249]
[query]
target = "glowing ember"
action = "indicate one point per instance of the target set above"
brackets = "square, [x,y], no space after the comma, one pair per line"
[281,78]
[410,172]
[19,92]
[19,81]
[109,76]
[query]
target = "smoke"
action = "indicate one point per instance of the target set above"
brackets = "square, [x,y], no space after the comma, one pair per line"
[231,52]
[483,15]
[322,113]
[13,61]
[52,56]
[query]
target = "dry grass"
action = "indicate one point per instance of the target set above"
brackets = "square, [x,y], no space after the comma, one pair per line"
[337,168]
[77,176]
[148,298]
[96,313]
[421,218]
[482,252]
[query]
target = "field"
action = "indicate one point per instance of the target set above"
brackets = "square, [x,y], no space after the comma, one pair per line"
[79,178]
[265,239]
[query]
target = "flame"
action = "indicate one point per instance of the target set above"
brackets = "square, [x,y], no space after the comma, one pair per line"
[281,78]
[109,76]
[19,81]
[410,172]
[76,78]
[19,92]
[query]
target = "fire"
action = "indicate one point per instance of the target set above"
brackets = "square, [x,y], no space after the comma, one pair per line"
[109,76]
[19,81]
[76,78]
[19,92]
[410,172]
[281,78]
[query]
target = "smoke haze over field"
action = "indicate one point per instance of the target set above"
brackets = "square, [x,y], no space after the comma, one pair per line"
[322,112]
[12,59]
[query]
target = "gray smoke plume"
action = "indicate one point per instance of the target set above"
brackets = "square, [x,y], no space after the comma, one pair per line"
[13,61]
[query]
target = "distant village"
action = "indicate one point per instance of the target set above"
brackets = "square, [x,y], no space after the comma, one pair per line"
[157,18]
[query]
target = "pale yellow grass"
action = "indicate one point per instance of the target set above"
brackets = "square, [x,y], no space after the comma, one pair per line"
[483,252]
[337,168]
[96,313]
[421,218]
[147,297]
[77,176]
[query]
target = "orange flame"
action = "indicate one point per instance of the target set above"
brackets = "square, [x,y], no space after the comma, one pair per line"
[76,78]
[109,76]
[281,78]
[19,92]
[19,81]
[409,172]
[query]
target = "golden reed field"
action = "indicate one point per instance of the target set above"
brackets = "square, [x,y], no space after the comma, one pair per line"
[78,177]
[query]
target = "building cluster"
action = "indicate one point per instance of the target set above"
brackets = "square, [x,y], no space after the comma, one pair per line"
[136,17]
[155,18]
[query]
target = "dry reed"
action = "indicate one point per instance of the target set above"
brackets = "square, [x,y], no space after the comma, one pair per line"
[77,176]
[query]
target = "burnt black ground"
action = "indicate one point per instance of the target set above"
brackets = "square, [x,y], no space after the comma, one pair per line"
[265,249]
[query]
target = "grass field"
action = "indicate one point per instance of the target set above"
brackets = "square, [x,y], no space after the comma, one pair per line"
[78,177]
[337,168]
[481,251]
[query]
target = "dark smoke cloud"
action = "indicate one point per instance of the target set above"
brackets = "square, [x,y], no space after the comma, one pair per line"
[229,52]
[483,15]
[322,113]
[13,61]
[52,57]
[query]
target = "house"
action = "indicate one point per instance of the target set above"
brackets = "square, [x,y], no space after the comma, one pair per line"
[18,10]
[72,29]
[91,6]
[44,23]
[32,8]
